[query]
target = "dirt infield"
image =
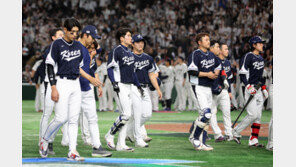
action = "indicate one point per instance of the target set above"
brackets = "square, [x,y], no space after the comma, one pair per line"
[184,128]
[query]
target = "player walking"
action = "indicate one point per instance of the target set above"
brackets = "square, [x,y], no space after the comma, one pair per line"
[67,54]
[121,72]
[142,107]
[221,93]
[251,73]
[203,68]
[46,93]
[88,103]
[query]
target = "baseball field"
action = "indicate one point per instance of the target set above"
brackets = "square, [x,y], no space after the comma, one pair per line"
[170,145]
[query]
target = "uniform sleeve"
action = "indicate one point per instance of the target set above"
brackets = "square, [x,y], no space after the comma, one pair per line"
[36,65]
[113,59]
[244,69]
[217,64]
[192,63]
[152,65]
[84,64]
[52,56]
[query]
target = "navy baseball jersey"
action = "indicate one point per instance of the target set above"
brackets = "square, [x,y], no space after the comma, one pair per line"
[226,66]
[67,56]
[251,69]
[144,64]
[122,61]
[84,83]
[93,66]
[41,69]
[202,62]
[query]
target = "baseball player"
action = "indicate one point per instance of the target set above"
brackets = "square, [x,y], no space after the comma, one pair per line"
[142,108]
[46,92]
[68,55]
[88,103]
[154,94]
[39,101]
[251,71]
[121,72]
[102,72]
[180,71]
[203,69]
[167,73]
[221,93]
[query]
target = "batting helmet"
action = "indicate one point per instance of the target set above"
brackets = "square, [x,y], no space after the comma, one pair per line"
[255,39]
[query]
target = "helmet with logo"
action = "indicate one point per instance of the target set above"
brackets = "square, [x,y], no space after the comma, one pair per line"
[256,39]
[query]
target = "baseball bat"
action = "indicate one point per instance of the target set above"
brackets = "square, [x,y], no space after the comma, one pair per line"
[249,100]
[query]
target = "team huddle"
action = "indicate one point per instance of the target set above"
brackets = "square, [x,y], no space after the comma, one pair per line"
[72,69]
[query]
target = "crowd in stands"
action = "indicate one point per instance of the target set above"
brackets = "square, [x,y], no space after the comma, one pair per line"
[169,26]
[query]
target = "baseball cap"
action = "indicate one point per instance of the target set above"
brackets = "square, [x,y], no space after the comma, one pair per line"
[256,39]
[91,30]
[137,38]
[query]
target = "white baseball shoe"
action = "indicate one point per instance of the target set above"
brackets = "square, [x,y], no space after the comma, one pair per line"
[43,149]
[141,143]
[204,147]
[110,141]
[74,156]
[147,139]
[124,148]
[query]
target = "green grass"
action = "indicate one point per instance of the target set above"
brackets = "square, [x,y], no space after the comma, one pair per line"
[165,145]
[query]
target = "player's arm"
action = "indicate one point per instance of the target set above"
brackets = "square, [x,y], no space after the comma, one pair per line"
[153,74]
[100,86]
[50,61]
[95,81]
[244,69]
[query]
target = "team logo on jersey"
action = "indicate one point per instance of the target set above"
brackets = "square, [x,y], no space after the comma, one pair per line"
[258,65]
[141,64]
[207,63]
[128,60]
[68,56]
[227,69]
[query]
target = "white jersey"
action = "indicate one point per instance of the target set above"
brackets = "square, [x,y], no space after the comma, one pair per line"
[102,70]
[168,71]
[179,71]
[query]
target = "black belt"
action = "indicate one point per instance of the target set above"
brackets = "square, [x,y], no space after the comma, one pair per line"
[144,85]
[68,77]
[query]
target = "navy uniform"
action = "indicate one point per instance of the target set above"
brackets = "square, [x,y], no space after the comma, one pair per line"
[200,61]
[251,72]
[69,58]
[142,106]
[221,99]
[121,72]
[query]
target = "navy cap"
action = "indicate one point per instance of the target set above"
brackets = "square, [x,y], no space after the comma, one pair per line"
[91,30]
[256,39]
[137,38]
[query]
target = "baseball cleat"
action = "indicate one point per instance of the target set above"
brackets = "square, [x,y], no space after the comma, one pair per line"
[110,141]
[125,148]
[228,138]
[50,149]
[220,139]
[43,149]
[147,139]
[74,156]
[141,143]
[256,145]
[237,140]
[204,147]
[100,152]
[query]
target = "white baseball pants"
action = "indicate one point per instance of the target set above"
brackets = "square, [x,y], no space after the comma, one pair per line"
[103,99]
[223,102]
[254,112]
[168,87]
[270,132]
[142,112]
[66,109]
[154,100]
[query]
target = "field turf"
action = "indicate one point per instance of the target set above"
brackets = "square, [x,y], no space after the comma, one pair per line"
[165,144]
